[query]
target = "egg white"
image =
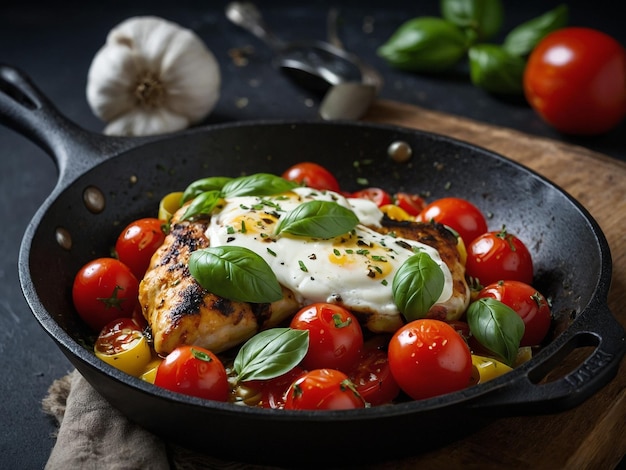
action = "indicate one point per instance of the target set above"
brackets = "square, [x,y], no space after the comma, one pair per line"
[355,270]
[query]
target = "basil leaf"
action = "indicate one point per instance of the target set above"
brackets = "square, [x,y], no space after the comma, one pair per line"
[523,38]
[203,204]
[270,354]
[495,70]
[417,285]
[425,44]
[497,327]
[318,219]
[483,17]
[213,183]
[235,273]
[259,184]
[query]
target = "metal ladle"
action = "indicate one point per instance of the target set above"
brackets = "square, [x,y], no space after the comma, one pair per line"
[350,84]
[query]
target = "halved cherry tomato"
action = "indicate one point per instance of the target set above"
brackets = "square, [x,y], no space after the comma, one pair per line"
[138,242]
[459,214]
[195,371]
[528,302]
[312,175]
[323,389]
[496,256]
[372,377]
[411,203]
[575,79]
[429,358]
[271,393]
[104,290]
[335,336]
[123,345]
[378,196]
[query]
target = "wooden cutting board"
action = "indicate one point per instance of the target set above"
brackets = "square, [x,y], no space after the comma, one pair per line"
[592,435]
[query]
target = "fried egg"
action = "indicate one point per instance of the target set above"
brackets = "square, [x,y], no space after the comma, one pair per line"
[355,270]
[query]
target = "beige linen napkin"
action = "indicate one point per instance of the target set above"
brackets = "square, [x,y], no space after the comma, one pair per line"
[93,434]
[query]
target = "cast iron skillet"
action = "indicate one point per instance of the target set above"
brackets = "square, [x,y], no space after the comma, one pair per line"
[572,266]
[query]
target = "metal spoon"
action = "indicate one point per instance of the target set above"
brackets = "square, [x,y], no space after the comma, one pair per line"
[316,65]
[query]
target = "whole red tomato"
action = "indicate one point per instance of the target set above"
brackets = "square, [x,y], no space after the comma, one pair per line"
[575,79]
[429,358]
[312,175]
[373,378]
[323,389]
[378,196]
[528,303]
[195,371]
[335,336]
[496,256]
[458,214]
[138,242]
[104,290]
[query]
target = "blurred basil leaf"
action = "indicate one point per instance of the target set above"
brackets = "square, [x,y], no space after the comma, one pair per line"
[483,17]
[496,70]
[425,44]
[497,327]
[523,38]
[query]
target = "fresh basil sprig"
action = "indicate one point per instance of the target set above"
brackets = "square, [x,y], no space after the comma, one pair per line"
[497,327]
[318,219]
[209,191]
[482,17]
[271,353]
[212,183]
[496,70]
[522,39]
[425,44]
[417,285]
[235,273]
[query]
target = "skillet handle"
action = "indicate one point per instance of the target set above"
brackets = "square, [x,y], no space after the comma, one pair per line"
[26,110]
[527,394]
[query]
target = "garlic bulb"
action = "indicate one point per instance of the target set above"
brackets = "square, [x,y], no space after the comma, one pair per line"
[152,76]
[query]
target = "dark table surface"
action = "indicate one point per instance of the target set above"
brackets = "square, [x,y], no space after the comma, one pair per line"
[54,44]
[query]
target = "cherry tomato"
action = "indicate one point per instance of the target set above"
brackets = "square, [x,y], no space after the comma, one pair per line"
[429,358]
[575,79]
[195,371]
[378,196]
[138,242]
[123,345]
[312,175]
[104,290]
[372,377]
[271,393]
[496,256]
[411,203]
[458,214]
[529,304]
[335,336]
[323,389]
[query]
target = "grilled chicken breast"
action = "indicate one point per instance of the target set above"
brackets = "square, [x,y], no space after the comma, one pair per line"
[180,311]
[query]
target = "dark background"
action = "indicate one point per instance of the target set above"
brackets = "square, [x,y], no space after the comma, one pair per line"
[54,44]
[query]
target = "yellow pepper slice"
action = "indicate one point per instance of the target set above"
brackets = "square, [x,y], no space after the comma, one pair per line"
[487,368]
[169,204]
[122,345]
[396,212]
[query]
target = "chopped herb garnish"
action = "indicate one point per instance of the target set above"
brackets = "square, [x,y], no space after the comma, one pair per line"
[303,266]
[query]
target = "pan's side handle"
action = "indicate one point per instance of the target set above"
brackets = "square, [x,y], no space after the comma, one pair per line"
[528,394]
[25,109]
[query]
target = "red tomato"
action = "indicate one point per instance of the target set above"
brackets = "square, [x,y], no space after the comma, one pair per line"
[335,336]
[529,304]
[195,371]
[458,214]
[372,377]
[323,389]
[312,175]
[272,392]
[429,358]
[122,344]
[412,204]
[575,79]
[104,290]
[496,256]
[138,242]
[377,195]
